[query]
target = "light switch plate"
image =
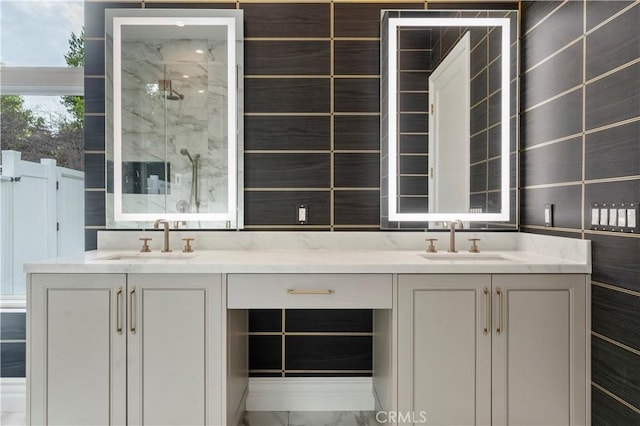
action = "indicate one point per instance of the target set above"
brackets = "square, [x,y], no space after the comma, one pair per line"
[631,218]
[548,215]
[613,217]
[595,216]
[302,214]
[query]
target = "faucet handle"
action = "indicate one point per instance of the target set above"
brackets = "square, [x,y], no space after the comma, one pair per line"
[145,245]
[432,247]
[474,247]
[187,245]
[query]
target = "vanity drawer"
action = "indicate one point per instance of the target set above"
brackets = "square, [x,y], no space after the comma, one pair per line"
[309,291]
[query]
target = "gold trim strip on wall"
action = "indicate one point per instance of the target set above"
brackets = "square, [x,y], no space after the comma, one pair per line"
[616,288]
[612,233]
[288,190]
[616,397]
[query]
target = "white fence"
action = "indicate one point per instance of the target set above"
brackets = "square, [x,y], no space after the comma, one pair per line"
[41,216]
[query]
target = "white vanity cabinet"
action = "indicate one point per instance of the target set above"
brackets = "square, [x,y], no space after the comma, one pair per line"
[493,349]
[116,349]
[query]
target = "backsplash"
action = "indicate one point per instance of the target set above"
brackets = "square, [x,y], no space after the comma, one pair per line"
[580,143]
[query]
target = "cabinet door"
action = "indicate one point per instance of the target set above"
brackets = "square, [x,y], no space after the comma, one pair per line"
[444,355]
[76,362]
[539,356]
[174,330]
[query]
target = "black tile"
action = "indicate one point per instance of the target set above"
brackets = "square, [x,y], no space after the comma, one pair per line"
[329,320]
[615,260]
[560,73]
[357,95]
[415,38]
[559,162]
[566,209]
[606,411]
[413,205]
[413,185]
[286,20]
[90,239]
[94,176]
[414,102]
[615,369]
[94,208]
[94,95]
[495,108]
[356,132]
[94,133]
[558,30]
[356,207]
[287,170]
[265,352]
[413,81]
[297,132]
[414,144]
[600,11]
[553,120]
[479,116]
[613,152]
[495,141]
[553,233]
[356,57]
[495,43]
[614,44]
[479,57]
[478,177]
[94,57]
[361,20]
[94,15]
[13,326]
[613,98]
[479,87]
[280,207]
[13,359]
[494,174]
[286,95]
[357,170]
[616,315]
[328,353]
[254,374]
[534,11]
[414,164]
[414,123]
[287,57]
[265,320]
[478,147]
[415,60]
[331,374]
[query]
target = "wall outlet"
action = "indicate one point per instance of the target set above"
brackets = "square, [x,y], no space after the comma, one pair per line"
[548,215]
[303,214]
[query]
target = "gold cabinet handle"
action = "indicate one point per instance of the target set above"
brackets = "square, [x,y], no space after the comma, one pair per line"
[118,326]
[500,328]
[294,291]
[487,324]
[132,326]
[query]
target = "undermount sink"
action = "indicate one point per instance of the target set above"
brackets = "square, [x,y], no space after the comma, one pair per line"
[465,257]
[146,256]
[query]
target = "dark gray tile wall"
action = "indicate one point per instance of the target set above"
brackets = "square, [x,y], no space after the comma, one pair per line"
[13,337]
[581,60]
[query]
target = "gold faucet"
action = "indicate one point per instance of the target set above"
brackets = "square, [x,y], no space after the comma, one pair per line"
[156,225]
[452,235]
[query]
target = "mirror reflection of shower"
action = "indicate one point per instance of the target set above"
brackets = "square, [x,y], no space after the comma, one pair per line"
[194,194]
[167,90]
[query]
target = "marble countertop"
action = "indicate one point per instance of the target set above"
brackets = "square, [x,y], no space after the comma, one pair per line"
[515,253]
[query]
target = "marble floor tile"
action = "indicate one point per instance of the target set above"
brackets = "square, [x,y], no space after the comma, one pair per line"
[266,418]
[332,418]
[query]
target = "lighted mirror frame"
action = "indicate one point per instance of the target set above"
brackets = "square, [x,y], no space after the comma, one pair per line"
[392,135]
[231,215]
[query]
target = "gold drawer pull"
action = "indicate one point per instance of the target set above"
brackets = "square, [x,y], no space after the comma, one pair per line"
[294,291]
[118,326]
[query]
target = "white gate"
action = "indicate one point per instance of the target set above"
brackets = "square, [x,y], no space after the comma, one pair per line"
[41,216]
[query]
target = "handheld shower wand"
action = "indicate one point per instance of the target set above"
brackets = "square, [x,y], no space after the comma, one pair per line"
[194,171]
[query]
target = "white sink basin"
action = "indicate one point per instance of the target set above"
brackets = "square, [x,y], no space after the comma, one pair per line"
[465,257]
[148,256]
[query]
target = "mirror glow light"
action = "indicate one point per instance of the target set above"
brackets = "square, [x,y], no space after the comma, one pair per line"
[394,24]
[230,24]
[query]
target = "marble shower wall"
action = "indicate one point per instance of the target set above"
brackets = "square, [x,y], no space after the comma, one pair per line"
[156,126]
